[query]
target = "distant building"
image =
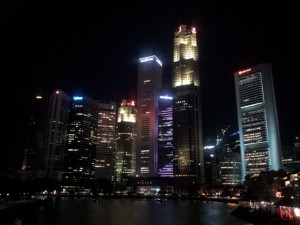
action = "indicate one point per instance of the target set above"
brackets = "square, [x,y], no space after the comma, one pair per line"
[257,118]
[33,160]
[79,158]
[296,148]
[230,166]
[104,166]
[57,120]
[188,143]
[211,165]
[165,136]
[291,156]
[149,87]
[125,156]
[230,159]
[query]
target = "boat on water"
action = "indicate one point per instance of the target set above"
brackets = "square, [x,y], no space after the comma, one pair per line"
[160,199]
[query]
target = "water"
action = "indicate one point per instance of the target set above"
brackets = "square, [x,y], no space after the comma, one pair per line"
[131,212]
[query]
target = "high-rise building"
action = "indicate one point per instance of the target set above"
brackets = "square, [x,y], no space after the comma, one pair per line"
[257,120]
[230,159]
[33,160]
[57,120]
[165,136]
[79,157]
[188,143]
[104,167]
[149,86]
[125,156]
[211,165]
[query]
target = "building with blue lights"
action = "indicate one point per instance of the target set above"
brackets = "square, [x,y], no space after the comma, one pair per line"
[257,120]
[148,89]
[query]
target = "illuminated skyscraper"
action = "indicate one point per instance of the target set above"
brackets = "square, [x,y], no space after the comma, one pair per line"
[125,156]
[149,85]
[56,133]
[79,158]
[104,167]
[258,123]
[165,136]
[188,143]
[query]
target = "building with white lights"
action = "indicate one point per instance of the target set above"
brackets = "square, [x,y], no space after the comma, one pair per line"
[257,119]
[188,143]
[148,89]
[79,158]
[104,164]
[125,155]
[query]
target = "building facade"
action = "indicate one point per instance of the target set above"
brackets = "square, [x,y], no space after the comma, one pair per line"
[188,141]
[125,156]
[80,153]
[257,120]
[148,89]
[33,159]
[104,166]
[57,120]
[165,136]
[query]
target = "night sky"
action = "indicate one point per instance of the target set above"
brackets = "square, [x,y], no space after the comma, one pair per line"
[94,51]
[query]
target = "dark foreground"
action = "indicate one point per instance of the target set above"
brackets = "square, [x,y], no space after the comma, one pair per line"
[259,217]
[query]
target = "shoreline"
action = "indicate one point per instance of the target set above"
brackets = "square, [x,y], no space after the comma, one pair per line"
[150,197]
[259,216]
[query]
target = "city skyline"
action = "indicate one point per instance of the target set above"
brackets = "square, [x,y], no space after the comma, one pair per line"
[80,54]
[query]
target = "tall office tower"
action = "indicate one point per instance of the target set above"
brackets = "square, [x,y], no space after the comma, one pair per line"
[79,158]
[149,86]
[125,157]
[33,156]
[188,143]
[57,120]
[257,118]
[104,166]
[165,136]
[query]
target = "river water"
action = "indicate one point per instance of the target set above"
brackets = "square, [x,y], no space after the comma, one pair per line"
[84,211]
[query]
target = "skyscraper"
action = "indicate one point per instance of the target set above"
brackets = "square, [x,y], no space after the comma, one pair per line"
[79,158]
[125,156]
[149,86]
[188,143]
[33,161]
[257,119]
[104,167]
[57,120]
[230,158]
[165,136]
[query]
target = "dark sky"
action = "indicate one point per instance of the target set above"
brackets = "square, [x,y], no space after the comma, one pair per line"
[93,50]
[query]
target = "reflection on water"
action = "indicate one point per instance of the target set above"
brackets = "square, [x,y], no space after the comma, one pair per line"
[131,212]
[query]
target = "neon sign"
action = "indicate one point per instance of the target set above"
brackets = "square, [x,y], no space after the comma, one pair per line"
[77,98]
[244,71]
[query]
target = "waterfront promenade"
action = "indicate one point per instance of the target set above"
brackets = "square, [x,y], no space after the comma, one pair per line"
[257,215]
